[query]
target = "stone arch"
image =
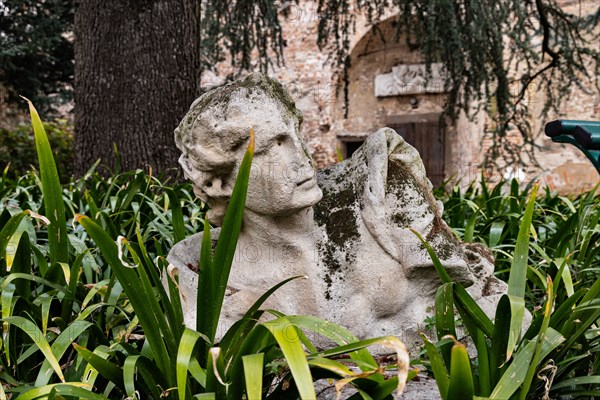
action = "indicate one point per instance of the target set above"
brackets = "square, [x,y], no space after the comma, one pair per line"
[377,50]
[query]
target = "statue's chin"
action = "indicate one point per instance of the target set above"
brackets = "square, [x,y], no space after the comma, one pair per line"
[300,202]
[311,197]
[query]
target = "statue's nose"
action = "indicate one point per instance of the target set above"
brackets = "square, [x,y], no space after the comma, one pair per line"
[301,150]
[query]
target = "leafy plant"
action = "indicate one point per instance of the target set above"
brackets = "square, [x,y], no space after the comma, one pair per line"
[73,317]
[245,349]
[96,316]
[556,352]
[562,227]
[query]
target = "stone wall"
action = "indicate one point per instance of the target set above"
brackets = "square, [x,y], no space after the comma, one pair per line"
[312,80]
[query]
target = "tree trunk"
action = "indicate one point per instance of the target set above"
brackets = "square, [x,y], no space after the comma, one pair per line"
[136,74]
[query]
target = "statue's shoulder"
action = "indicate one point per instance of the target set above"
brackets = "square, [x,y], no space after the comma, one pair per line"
[186,253]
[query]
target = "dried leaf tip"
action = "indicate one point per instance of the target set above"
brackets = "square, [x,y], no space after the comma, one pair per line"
[251,144]
[456,342]
[32,109]
[37,216]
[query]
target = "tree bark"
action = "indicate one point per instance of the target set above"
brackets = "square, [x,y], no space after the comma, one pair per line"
[136,74]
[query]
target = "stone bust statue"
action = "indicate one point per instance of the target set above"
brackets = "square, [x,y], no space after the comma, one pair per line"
[346,228]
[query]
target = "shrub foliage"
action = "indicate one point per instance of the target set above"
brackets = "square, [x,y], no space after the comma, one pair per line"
[84,312]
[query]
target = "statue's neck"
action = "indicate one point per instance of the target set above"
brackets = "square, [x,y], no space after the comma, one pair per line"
[282,230]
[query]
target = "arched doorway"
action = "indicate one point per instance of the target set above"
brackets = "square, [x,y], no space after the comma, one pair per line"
[386,86]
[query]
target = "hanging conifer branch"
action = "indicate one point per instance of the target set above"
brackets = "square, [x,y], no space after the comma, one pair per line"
[497,53]
[249,32]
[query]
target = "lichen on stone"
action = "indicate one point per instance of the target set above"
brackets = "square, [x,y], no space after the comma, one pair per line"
[221,97]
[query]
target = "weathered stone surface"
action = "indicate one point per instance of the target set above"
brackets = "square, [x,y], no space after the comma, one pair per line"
[408,79]
[350,235]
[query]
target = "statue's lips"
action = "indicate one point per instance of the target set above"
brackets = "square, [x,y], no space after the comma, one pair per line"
[306,182]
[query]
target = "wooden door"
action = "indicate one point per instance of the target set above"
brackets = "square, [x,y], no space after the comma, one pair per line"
[428,139]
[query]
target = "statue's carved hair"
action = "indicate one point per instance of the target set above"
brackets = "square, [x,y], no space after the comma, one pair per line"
[217,151]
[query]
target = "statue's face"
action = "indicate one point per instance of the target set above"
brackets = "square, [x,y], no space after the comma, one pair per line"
[282,180]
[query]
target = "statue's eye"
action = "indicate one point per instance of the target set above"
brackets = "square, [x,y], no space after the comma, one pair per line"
[238,144]
[280,139]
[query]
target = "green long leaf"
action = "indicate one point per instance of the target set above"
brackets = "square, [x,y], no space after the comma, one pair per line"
[483,360]
[7,302]
[517,313]
[205,396]
[38,338]
[336,367]
[205,293]
[581,313]
[150,284]
[13,244]
[8,230]
[470,311]
[129,367]
[564,311]
[496,233]
[540,340]
[444,317]
[562,264]
[135,363]
[176,216]
[44,301]
[470,228]
[22,264]
[518,270]
[499,340]
[338,335]
[234,340]
[52,190]
[74,273]
[231,342]
[90,373]
[19,275]
[215,374]
[444,311]
[36,393]
[437,366]
[141,296]
[184,356]
[286,336]
[59,346]
[460,386]
[581,380]
[232,223]
[253,375]
[467,307]
[74,391]
[106,368]
[439,268]
[515,374]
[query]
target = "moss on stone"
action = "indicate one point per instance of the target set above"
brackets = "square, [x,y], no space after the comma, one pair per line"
[341,227]
[401,219]
[221,97]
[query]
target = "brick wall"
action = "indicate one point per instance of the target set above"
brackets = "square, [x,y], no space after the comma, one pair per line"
[312,80]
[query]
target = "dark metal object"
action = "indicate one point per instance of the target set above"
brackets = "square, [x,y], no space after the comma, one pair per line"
[585,135]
